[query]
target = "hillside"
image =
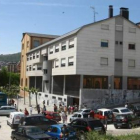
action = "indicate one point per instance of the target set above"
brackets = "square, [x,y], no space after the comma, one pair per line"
[10,57]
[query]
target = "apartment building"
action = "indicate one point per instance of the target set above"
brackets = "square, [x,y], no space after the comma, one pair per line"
[30,41]
[96,65]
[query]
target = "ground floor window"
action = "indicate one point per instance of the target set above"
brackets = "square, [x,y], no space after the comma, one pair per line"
[133,83]
[117,82]
[95,82]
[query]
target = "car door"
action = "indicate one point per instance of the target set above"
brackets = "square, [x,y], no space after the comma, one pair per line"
[76,124]
[19,135]
[53,132]
[3,110]
[115,112]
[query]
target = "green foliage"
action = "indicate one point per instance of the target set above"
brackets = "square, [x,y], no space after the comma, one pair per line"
[5,76]
[96,136]
[10,57]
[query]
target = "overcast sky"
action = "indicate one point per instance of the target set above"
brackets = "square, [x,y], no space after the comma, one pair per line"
[55,17]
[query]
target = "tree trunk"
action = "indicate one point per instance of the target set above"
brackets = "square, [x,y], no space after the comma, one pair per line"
[36,99]
[29,99]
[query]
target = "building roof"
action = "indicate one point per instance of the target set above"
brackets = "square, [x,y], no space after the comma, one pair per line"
[75,32]
[39,35]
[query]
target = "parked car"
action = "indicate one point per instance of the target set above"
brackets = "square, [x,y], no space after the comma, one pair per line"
[78,115]
[84,111]
[135,108]
[87,124]
[38,120]
[52,115]
[103,114]
[56,131]
[29,133]
[14,119]
[6,110]
[127,120]
[121,110]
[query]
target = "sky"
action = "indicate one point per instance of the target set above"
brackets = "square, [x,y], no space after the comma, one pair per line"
[55,17]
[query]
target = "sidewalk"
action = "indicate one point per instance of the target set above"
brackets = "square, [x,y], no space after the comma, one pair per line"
[20,105]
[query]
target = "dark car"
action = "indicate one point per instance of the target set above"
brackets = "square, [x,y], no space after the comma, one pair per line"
[38,120]
[135,108]
[29,133]
[127,120]
[88,124]
[52,115]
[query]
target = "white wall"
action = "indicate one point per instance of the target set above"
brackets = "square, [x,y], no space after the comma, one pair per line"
[89,49]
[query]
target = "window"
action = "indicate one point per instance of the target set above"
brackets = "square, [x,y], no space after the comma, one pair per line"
[39,68]
[45,71]
[57,63]
[63,47]
[27,68]
[116,42]
[27,44]
[119,27]
[133,83]
[27,58]
[57,48]
[36,43]
[30,68]
[33,67]
[63,62]
[51,50]
[104,43]
[33,56]
[71,43]
[22,46]
[118,60]
[131,63]
[132,30]
[104,61]
[121,43]
[30,57]
[45,58]
[37,55]
[104,26]
[117,82]
[70,61]
[131,46]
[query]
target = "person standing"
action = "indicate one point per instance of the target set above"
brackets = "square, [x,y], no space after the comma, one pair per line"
[31,109]
[55,108]
[44,108]
[26,112]
[65,132]
[38,109]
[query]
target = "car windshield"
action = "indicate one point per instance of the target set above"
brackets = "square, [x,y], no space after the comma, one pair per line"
[125,110]
[33,130]
[95,124]
[70,129]
[56,114]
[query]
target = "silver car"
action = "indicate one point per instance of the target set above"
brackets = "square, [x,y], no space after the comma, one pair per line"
[6,110]
[121,111]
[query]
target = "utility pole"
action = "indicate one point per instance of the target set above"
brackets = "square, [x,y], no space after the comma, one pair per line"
[94,13]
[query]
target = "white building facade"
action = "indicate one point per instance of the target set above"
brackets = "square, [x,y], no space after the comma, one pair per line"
[95,65]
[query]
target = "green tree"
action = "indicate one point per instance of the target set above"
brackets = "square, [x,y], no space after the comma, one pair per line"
[4,77]
[34,90]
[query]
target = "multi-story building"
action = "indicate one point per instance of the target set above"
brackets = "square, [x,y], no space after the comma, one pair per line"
[30,41]
[97,64]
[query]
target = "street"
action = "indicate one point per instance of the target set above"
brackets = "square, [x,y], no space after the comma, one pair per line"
[5,130]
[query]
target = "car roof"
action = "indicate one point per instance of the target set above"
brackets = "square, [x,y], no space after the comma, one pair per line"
[59,125]
[77,113]
[24,126]
[104,109]
[120,108]
[51,112]
[35,115]
[17,113]
[8,106]
[86,119]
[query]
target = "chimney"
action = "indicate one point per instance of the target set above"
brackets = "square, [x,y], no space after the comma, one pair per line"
[124,12]
[110,11]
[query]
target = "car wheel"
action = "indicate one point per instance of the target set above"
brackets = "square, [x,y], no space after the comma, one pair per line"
[129,125]
[115,126]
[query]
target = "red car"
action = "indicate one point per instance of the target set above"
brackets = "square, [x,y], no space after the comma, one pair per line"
[52,115]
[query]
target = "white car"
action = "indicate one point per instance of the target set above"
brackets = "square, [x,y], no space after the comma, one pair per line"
[121,110]
[84,111]
[78,115]
[6,110]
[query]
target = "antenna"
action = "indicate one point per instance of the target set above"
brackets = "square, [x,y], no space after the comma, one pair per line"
[94,13]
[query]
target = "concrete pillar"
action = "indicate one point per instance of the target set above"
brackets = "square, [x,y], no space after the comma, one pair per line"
[80,92]
[111,82]
[52,85]
[35,81]
[124,82]
[64,85]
